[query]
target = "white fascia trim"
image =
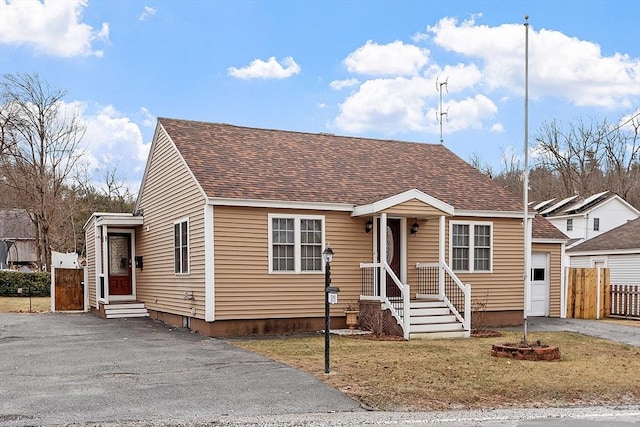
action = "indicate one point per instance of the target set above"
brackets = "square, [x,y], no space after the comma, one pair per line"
[534,240]
[607,252]
[159,128]
[383,204]
[131,221]
[569,216]
[278,204]
[209,265]
[494,214]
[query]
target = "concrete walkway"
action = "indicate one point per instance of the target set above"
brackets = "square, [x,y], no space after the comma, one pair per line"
[595,328]
[79,368]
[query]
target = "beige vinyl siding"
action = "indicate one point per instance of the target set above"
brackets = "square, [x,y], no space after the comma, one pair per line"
[555,284]
[412,208]
[90,239]
[503,288]
[170,194]
[244,289]
[421,247]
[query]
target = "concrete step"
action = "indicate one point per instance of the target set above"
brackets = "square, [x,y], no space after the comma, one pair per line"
[427,304]
[423,320]
[438,311]
[436,327]
[121,305]
[126,315]
[126,310]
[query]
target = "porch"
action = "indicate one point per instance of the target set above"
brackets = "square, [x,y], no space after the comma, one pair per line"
[114,265]
[439,303]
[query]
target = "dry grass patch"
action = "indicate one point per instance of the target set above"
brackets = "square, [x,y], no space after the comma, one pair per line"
[460,373]
[624,322]
[21,304]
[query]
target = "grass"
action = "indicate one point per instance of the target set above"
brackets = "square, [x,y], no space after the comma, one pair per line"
[443,374]
[21,304]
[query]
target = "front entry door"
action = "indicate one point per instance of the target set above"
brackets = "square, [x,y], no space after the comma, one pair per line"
[119,264]
[393,254]
[539,295]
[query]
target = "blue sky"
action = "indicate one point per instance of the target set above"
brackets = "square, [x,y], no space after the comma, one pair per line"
[362,68]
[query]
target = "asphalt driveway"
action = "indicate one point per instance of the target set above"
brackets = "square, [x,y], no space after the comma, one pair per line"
[79,368]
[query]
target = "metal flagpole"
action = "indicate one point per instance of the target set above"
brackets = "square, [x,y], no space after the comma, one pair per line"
[525,185]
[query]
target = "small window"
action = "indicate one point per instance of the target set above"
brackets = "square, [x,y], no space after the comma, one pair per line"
[181,246]
[471,246]
[295,243]
[596,224]
[570,224]
[538,274]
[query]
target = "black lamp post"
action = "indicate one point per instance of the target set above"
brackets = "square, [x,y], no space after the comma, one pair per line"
[327,255]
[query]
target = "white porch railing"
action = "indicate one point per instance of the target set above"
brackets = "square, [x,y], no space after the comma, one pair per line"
[437,280]
[394,296]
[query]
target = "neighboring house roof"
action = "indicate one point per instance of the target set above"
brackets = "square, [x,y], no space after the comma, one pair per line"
[16,224]
[626,236]
[259,164]
[575,205]
[542,229]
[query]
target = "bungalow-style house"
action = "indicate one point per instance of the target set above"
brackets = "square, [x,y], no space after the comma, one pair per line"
[582,219]
[231,223]
[617,249]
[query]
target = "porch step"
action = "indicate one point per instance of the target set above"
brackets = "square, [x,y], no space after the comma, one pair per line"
[125,309]
[433,319]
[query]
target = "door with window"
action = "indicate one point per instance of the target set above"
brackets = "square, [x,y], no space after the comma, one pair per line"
[393,255]
[119,268]
[539,295]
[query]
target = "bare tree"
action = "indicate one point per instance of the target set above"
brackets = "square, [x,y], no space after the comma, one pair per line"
[575,154]
[42,143]
[622,160]
[481,164]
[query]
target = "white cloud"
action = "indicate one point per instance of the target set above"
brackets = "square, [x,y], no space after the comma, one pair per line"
[559,65]
[321,105]
[341,84]
[112,140]
[146,13]
[148,119]
[270,69]
[53,28]
[497,128]
[393,59]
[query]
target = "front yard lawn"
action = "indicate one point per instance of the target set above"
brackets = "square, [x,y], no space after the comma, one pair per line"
[21,304]
[443,374]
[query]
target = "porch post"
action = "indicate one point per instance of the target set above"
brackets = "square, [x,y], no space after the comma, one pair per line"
[383,254]
[104,262]
[441,261]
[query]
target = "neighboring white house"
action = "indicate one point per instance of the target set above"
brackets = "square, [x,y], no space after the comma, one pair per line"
[583,219]
[617,249]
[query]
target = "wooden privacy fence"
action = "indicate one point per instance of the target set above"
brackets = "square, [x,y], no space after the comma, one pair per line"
[625,300]
[588,293]
[69,289]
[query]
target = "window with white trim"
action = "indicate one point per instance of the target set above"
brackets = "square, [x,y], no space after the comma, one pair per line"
[471,246]
[596,224]
[570,224]
[295,243]
[181,246]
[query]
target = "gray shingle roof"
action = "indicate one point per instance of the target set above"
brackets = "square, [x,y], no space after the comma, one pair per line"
[626,236]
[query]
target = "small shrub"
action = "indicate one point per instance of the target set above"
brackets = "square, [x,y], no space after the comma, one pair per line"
[32,284]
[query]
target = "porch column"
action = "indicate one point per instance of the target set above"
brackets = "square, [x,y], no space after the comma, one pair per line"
[441,261]
[383,254]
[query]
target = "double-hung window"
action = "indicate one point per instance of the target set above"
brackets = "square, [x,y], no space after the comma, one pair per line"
[295,243]
[596,224]
[181,246]
[471,246]
[570,224]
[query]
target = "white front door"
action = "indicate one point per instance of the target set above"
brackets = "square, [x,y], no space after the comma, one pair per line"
[539,295]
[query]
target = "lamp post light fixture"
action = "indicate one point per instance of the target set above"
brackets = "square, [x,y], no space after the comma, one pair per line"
[327,256]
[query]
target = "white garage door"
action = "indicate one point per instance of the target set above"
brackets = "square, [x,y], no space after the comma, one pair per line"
[539,294]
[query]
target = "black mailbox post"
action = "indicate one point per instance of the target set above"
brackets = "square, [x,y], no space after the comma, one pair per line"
[327,254]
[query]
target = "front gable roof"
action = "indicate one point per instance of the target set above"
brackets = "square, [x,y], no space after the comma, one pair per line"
[425,203]
[239,163]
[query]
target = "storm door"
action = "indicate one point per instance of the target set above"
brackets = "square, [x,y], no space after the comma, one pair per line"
[119,247]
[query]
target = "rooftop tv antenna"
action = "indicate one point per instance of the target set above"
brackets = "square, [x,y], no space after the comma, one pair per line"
[440,114]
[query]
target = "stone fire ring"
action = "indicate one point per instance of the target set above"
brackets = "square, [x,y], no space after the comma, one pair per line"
[523,352]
